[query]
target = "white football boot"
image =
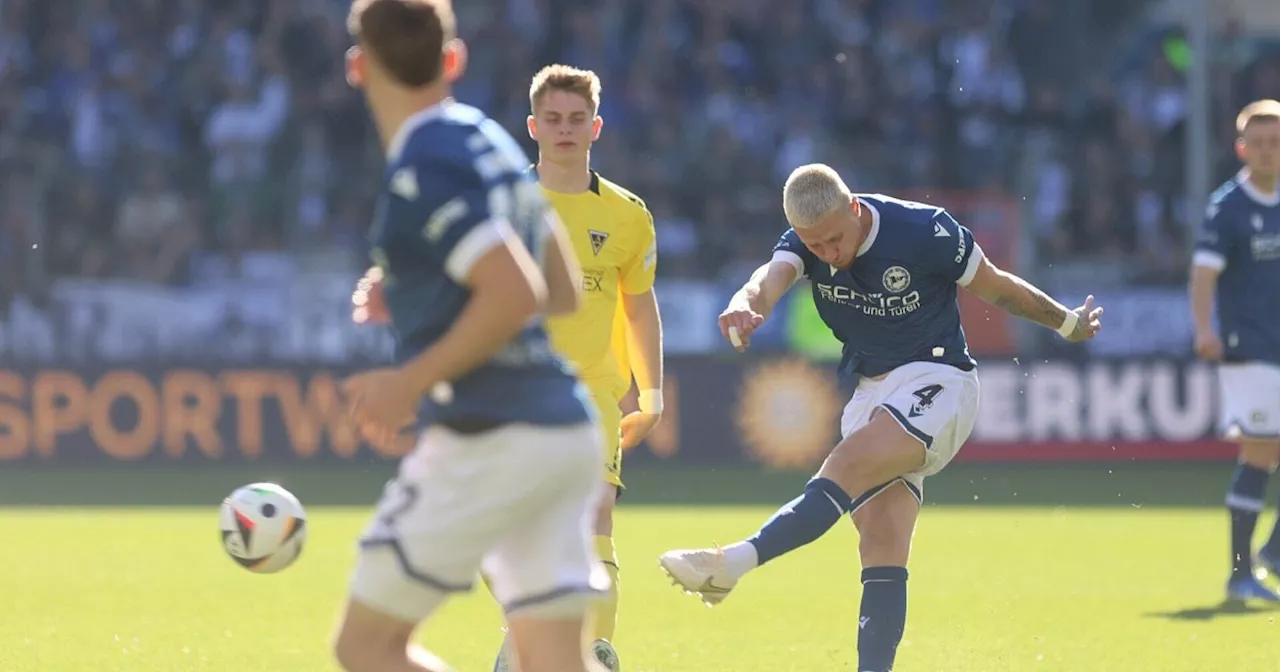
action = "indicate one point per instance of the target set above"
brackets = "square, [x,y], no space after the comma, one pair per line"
[700,572]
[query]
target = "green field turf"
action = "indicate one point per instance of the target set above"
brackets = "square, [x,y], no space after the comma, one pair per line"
[1082,585]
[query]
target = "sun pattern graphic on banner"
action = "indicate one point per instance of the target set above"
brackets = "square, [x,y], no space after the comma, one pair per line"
[787,414]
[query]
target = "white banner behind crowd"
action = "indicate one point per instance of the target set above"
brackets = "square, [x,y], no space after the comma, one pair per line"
[307,319]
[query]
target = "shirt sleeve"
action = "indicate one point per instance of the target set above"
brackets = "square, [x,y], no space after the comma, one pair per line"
[641,267]
[952,249]
[790,250]
[461,224]
[1214,240]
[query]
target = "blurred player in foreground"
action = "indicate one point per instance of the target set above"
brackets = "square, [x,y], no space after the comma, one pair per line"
[506,474]
[617,331]
[884,275]
[1237,258]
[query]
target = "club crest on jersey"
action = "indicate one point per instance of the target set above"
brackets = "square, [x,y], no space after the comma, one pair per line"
[896,279]
[597,240]
[1256,221]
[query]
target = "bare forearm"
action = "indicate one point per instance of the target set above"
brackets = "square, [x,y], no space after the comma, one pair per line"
[644,339]
[1203,287]
[755,294]
[564,275]
[489,321]
[1023,299]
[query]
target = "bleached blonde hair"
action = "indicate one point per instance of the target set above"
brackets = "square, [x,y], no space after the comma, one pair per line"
[1258,110]
[811,193]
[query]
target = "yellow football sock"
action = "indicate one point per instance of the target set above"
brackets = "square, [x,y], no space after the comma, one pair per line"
[604,613]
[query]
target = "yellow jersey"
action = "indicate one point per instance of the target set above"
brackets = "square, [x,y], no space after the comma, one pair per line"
[613,238]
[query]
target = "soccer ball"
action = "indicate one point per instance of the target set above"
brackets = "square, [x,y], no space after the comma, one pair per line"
[263,527]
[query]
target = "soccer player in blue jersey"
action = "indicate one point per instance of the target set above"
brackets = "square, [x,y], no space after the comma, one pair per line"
[506,472]
[884,274]
[1237,260]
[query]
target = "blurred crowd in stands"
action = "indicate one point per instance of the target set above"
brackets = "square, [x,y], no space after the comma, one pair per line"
[186,141]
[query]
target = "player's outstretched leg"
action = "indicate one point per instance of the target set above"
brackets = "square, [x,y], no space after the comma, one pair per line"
[710,573]
[871,456]
[1244,503]
[885,525]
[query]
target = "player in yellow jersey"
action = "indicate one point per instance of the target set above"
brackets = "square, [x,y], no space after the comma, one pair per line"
[617,332]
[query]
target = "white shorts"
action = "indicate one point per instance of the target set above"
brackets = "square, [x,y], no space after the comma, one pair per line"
[1250,398]
[515,503]
[935,403]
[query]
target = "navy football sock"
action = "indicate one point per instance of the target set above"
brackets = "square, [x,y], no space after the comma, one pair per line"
[1244,502]
[883,617]
[802,520]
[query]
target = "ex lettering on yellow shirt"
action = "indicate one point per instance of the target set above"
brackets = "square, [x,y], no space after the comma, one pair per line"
[613,237]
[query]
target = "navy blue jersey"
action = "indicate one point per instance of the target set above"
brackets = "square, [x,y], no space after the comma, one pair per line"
[454,187]
[896,303]
[1241,238]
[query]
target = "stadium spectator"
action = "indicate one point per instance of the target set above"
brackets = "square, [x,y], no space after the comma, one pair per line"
[709,103]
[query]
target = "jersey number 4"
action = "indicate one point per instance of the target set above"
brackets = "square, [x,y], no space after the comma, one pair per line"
[924,400]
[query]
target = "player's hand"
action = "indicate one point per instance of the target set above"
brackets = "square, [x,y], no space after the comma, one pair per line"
[381,402]
[1089,321]
[1208,346]
[368,306]
[737,324]
[636,426]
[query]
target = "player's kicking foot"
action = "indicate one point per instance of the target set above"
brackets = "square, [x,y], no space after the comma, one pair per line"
[700,572]
[602,652]
[1250,589]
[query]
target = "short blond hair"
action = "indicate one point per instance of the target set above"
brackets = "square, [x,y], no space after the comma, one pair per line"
[560,77]
[811,193]
[1258,110]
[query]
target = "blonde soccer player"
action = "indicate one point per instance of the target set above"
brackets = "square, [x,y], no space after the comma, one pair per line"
[617,333]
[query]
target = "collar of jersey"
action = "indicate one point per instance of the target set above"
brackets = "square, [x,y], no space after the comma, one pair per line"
[875,228]
[593,185]
[1272,199]
[408,126]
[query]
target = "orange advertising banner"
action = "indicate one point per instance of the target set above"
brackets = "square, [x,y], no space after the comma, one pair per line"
[175,414]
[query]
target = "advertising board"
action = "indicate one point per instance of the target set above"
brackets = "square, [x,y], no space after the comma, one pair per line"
[780,412]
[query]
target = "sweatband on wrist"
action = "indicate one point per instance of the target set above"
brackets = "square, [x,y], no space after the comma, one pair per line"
[651,402]
[1069,324]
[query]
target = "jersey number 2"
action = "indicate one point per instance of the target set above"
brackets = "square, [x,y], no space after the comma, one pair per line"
[408,497]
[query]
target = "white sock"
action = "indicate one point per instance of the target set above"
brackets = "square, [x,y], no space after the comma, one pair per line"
[740,558]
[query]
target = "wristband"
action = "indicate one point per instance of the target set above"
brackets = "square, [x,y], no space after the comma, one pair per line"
[651,402]
[1069,324]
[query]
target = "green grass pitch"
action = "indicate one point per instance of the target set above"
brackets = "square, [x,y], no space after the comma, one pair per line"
[1124,578]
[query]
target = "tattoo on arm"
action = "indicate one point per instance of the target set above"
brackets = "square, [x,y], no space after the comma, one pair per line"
[1028,302]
